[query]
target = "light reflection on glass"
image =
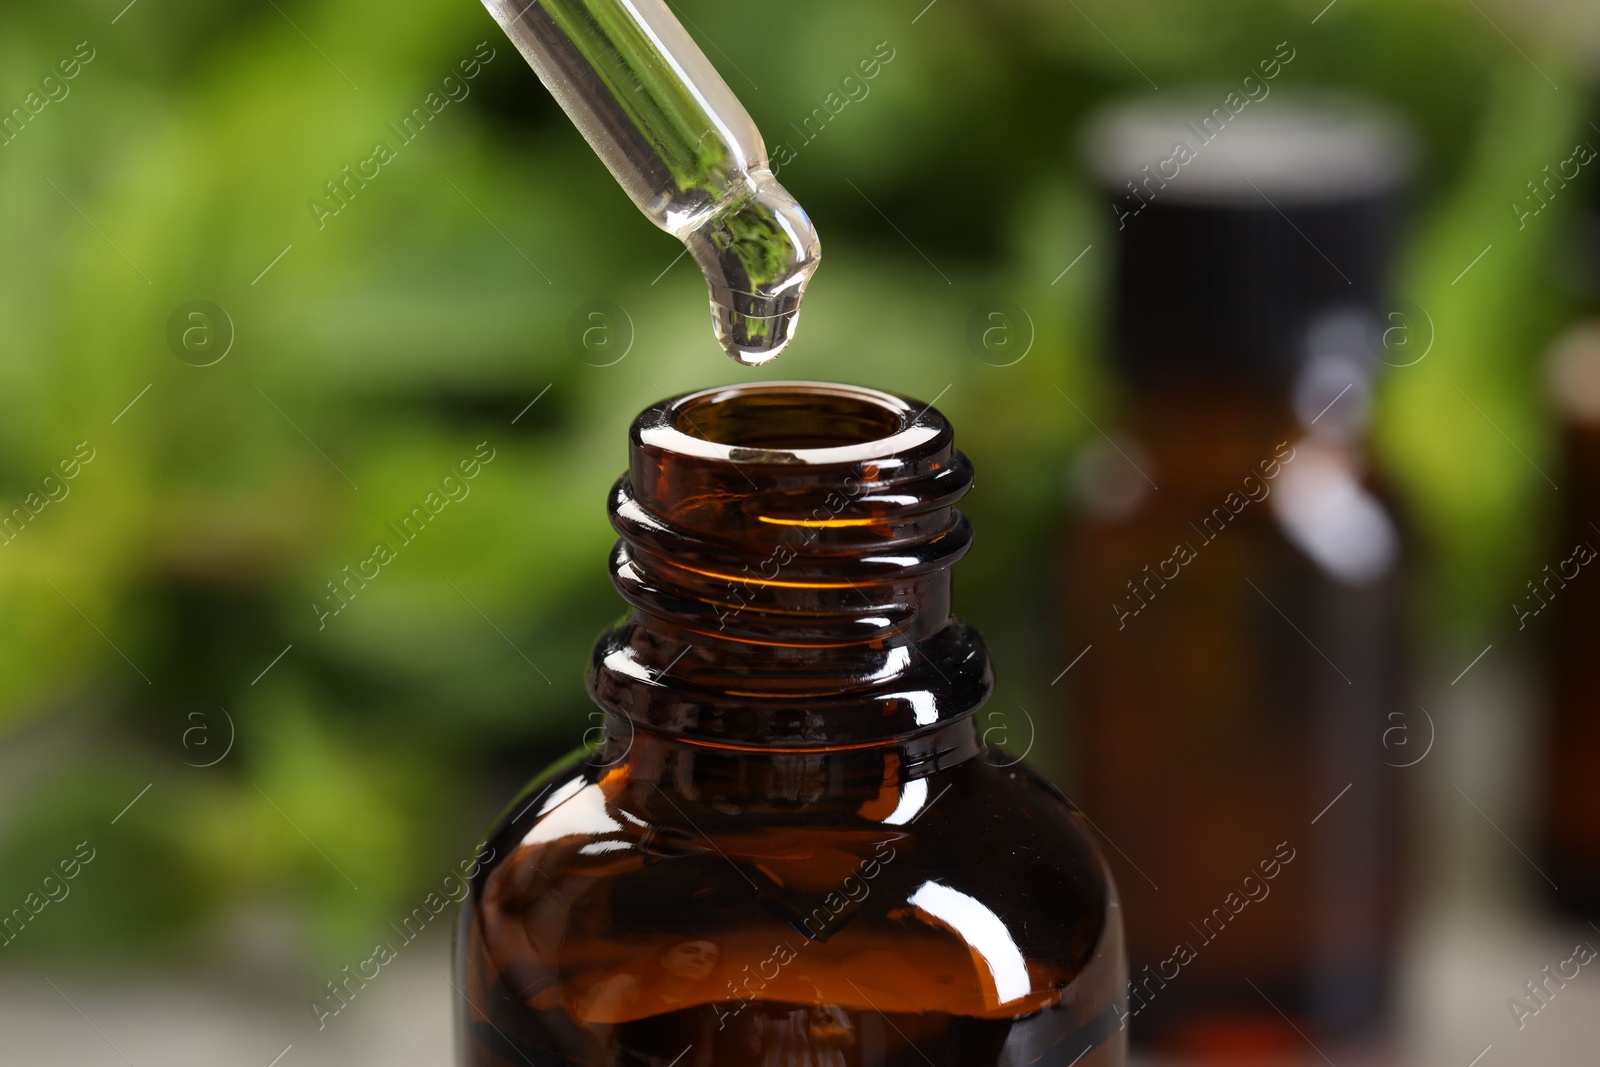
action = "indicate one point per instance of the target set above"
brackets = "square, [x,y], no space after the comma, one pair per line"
[983,932]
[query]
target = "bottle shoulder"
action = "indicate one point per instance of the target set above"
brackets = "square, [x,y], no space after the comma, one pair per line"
[978,886]
[1308,504]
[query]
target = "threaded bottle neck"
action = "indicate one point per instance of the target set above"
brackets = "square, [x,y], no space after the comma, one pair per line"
[786,549]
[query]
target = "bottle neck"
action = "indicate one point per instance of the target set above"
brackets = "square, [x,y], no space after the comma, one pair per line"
[786,550]
[871,778]
[1199,438]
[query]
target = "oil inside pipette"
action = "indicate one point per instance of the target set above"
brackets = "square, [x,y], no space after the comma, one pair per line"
[757,255]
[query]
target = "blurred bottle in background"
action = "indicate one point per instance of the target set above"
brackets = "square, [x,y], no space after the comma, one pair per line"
[1232,580]
[1570,786]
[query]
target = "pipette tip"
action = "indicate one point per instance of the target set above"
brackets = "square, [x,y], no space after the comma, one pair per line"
[752,340]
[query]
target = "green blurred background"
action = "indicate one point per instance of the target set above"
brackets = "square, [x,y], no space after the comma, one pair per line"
[139,612]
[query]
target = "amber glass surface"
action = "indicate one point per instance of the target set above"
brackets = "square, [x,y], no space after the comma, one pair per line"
[1571,786]
[1234,684]
[791,846]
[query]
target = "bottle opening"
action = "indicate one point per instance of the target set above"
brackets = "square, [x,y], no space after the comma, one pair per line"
[791,417]
[796,424]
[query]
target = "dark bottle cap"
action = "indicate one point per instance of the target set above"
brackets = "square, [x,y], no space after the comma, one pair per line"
[1240,234]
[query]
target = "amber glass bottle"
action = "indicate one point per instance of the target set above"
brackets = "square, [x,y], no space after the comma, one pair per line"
[792,846]
[1563,599]
[1231,581]
[1567,591]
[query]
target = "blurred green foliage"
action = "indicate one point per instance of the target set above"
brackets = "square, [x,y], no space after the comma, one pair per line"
[388,340]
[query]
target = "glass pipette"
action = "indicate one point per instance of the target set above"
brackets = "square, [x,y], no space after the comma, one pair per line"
[679,142]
